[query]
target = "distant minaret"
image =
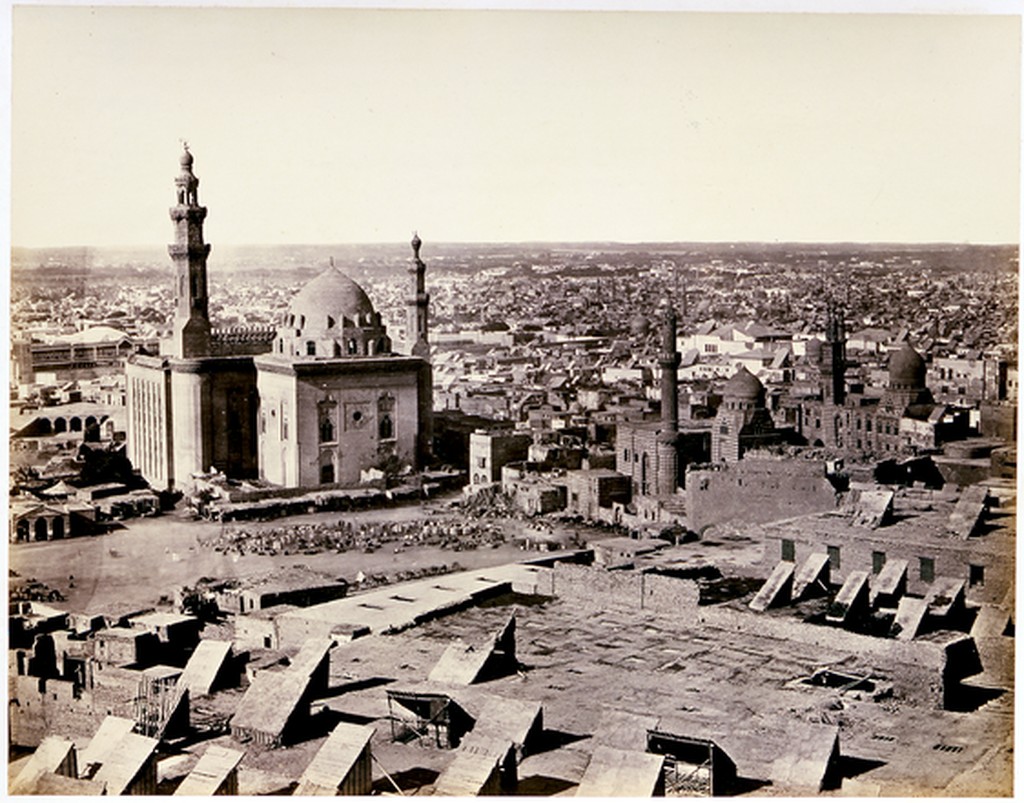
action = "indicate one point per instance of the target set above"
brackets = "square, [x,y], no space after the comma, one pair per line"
[189,252]
[416,317]
[833,356]
[668,438]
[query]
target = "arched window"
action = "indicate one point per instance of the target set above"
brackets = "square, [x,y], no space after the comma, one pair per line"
[353,346]
[385,418]
[644,488]
[311,348]
[326,411]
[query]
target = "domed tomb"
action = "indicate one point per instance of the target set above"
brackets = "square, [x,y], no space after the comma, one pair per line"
[332,317]
[743,390]
[907,369]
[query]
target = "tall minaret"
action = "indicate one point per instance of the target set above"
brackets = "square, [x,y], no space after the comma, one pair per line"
[833,364]
[189,252]
[416,317]
[668,437]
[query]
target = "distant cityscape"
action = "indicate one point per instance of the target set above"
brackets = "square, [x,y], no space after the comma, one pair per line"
[669,519]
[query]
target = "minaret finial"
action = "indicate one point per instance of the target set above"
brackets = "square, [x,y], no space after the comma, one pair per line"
[416,243]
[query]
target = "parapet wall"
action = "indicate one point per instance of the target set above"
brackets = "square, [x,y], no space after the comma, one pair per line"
[600,589]
[756,491]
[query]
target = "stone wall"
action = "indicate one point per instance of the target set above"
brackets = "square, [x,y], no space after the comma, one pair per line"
[39,708]
[756,491]
[600,589]
[950,557]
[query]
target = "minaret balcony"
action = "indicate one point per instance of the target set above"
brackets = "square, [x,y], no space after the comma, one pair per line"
[193,214]
[182,250]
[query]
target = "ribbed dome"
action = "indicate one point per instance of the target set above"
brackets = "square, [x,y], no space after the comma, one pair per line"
[330,295]
[743,386]
[906,368]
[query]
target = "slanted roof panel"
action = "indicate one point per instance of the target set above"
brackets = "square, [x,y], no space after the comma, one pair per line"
[209,774]
[335,759]
[621,773]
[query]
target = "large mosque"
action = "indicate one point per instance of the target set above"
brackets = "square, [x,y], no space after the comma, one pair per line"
[313,403]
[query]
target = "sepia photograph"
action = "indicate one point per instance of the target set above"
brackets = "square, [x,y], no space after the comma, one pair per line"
[468,401]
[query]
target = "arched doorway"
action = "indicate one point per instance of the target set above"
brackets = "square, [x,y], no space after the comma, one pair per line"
[41,529]
[60,425]
[23,530]
[58,527]
[76,424]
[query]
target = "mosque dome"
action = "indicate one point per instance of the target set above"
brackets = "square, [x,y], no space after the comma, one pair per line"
[906,368]
[186,158]
[814,347]
[332,317]
[329,299]
[743,386]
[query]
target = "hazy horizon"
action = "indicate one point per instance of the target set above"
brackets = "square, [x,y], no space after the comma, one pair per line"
[522,243]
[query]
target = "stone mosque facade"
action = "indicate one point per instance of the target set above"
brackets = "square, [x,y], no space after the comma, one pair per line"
[313,403]
[904,419]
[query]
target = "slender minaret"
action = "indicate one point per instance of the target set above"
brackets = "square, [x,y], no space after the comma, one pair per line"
[416,334]
[189,252]
[668,437]
[416,317]
[833,365]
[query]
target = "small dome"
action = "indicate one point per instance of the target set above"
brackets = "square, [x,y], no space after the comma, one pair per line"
[907,368]
[330,295]
[743,386]
[186,159]
[814,350]
[639,326]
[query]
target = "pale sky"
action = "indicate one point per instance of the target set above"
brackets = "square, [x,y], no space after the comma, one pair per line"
[332,125]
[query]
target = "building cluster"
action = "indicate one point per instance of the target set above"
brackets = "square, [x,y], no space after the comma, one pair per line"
[602,453]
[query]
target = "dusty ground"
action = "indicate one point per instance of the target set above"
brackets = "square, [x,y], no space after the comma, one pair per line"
[151,558]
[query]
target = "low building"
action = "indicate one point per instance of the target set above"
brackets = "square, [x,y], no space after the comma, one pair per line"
[490,451]
[594,494]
